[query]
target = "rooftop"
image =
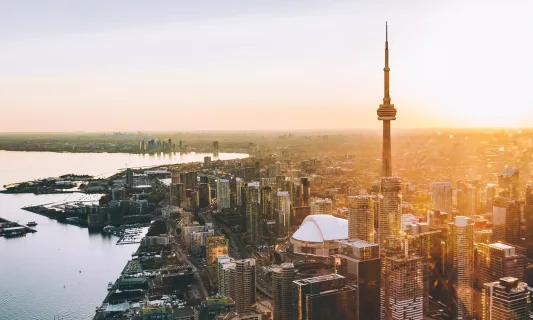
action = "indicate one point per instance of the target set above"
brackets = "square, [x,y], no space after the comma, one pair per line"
[322,227]
[356,243]
[499,245]
[319,279]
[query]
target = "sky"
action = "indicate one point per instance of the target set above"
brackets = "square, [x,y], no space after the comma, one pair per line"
[172,65]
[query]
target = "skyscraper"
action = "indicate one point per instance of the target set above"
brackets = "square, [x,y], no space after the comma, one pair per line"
[323,297]
[490,195]
[242,284]
[223,195]
[204,195]
[461,255]
[359,262]
[224,263]
[177,194]
[402,287]
[505,299]
[361,218]
[386,112]
[506,220]
[390,213]
[498,260]
[253,211]
[508,180]
[282,278]
[528,213]
[306,191]
[129,178]
[283,214]
[191,180]
[441,193]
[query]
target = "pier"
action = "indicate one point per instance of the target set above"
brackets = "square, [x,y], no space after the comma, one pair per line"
[10,229]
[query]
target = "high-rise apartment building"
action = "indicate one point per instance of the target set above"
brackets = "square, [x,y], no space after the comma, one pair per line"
[191,180]
[506,299]
[224,263]
[441,194]
[268,208]
[491,192]
[508,181]
[390,214]
[298,194]
[253,211]
[322,206]
[239,188]
[359,262]
[129,178]
[402,287]
[204,195]
[467,198]
[461,255]
[323,297]
[306,191]
[283,214]
[361,218]
[282,278]
[506,220]
[528,213]
[268,203]
[242,284]
[223,195]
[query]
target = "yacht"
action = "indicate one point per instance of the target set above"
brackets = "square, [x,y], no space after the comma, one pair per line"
[31,224]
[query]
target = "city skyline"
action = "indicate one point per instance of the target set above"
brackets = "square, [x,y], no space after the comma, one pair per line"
[77,69]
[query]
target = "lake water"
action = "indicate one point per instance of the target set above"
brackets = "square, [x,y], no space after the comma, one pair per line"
[40,274]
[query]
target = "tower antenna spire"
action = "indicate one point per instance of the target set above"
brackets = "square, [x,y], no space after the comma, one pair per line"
[386,112]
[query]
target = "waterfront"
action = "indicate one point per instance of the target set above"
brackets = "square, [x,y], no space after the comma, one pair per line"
[40,274]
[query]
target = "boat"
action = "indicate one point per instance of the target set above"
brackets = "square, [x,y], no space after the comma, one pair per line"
[31,224]
[110,286]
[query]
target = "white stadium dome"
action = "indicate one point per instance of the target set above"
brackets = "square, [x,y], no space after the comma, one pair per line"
[318,233]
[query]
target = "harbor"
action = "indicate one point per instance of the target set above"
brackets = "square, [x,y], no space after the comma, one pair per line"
[153,280]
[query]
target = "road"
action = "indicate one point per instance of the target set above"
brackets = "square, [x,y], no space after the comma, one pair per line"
[178,250]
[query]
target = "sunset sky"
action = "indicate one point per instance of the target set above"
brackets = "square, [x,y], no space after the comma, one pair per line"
[128,65]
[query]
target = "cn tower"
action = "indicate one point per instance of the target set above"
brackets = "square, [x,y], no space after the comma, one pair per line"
[386,113]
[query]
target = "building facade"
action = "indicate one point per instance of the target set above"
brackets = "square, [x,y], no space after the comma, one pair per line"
[361,218]
[282,278]
[441,194]
[506,299]
[461,255]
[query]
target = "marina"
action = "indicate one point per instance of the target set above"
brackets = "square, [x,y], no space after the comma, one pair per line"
[129,234]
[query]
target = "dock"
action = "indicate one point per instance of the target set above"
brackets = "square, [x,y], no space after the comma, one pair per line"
[10,229]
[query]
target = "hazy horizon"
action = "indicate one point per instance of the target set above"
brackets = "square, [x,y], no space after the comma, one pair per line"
[250,65]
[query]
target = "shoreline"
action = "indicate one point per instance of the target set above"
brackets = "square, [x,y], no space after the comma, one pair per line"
[243,151]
